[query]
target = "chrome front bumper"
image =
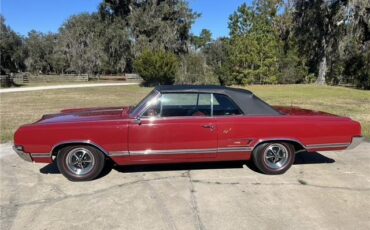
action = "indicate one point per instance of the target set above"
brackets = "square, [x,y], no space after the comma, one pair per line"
[23,155]
[355,142]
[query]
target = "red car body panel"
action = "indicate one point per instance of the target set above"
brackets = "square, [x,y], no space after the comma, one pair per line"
[182,139]
[172,133]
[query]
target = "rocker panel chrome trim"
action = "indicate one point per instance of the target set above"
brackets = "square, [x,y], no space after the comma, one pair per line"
[180,151]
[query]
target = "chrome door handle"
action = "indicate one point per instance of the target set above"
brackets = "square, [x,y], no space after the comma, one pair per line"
[211,127]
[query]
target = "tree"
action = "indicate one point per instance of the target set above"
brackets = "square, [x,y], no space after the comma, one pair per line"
[80,41]
[203,39]
[59,59]
[255,46]
[292,65]
[217,56]
[116,47]
[333,36]
[107,41]
[153,24]
[195,71]
[158,67]
[11,50]
[39,48]
[354,47]
[317,33]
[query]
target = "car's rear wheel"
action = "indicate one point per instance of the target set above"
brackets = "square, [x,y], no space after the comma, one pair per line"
[273,157]
[80,162]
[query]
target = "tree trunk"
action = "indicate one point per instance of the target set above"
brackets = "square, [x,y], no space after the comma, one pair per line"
[323,68]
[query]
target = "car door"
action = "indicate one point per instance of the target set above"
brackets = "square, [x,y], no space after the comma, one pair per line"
[176,126]
[233,137]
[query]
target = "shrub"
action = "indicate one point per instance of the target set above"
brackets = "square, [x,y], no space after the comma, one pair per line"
[157,67]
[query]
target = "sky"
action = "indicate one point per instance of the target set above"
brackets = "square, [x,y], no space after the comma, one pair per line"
[48,15]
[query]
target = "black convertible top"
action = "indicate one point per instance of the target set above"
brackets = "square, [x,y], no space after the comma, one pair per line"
[245,99]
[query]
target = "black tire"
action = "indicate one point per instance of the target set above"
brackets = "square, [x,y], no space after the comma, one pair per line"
[264,157]
[93,162]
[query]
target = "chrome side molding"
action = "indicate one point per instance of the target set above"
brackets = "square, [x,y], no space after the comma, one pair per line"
[327,146]
[119,154]
[41,155]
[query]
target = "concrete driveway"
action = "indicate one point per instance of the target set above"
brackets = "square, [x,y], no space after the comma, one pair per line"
[327,190]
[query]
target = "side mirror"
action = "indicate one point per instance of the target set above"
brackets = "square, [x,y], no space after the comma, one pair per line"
[138,120]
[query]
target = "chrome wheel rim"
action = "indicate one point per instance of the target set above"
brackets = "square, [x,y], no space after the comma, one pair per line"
[80,161]
[276,156]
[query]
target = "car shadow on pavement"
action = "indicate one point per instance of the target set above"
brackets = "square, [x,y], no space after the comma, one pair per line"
[51,168]
[312,158]
[301,158]
[179,166]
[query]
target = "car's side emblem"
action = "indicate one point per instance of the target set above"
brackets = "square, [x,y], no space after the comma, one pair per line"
[226,131]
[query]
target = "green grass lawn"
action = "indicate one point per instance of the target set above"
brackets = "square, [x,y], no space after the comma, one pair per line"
[26,107]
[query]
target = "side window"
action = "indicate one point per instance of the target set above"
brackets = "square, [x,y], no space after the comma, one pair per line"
[224,106]
[192,104]
[204,104]
[185,104]
[154,109]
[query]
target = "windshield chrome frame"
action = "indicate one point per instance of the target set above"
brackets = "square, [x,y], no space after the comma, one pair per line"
[144,105]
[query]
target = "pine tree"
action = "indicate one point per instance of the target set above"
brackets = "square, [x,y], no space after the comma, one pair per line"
[255,45]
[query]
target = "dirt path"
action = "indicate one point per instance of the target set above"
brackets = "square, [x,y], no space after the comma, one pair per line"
[12,90]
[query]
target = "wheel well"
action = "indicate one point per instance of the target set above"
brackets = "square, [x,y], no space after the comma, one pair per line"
[57,148]
[297,146]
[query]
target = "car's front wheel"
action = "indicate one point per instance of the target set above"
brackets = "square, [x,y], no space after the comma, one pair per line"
[273,157]
[80,162]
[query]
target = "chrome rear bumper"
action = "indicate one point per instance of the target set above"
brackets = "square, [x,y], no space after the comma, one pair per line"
[355,142]
[23,155]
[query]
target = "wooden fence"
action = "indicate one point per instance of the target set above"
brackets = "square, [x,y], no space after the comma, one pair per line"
[6,81]
[59,78]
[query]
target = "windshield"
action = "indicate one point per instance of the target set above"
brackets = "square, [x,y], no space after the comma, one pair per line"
[143,102]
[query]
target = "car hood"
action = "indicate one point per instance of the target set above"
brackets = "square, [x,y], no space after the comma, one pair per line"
[297,111]
[86,114]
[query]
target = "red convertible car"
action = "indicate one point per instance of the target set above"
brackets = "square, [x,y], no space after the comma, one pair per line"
[176,124]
